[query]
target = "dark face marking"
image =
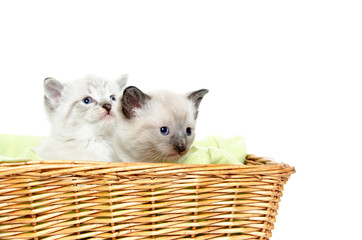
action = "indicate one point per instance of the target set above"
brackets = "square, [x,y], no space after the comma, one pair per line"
[179,142]
[180,147]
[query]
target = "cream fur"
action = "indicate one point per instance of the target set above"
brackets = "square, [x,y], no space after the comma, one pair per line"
[139,139]
[81,131]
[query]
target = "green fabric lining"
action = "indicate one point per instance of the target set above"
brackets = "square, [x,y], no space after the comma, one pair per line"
[211,150]
[217,150]
[18,147]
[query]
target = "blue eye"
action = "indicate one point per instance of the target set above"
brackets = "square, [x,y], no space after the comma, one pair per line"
[87,100]
[113,98]
[188,131]
[164,131]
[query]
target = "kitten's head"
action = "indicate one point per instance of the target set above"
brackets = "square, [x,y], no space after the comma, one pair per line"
[162,124]
[87,103]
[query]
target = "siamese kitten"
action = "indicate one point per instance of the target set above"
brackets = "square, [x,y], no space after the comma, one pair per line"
[82,116]
[156,127]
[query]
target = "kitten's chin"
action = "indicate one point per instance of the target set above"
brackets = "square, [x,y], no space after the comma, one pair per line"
[107,117]
[174,157]
[106,122]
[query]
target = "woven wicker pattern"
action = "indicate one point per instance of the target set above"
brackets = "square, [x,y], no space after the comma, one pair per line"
[92,200]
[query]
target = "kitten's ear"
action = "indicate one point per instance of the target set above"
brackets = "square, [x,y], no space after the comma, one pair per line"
[196,98]
[53,91]
[132,98]
[122,81]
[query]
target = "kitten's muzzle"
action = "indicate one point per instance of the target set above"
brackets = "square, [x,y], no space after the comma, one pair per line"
[107,106]
[180,148]
[179,144]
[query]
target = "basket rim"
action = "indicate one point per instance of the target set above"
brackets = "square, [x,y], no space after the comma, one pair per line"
[256,166]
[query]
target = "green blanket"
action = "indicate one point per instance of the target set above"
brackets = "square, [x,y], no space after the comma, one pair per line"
[211,150]
[217,150]
[18,147]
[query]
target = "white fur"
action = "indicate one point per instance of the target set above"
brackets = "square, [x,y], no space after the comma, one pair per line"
[80,131]
[139,139]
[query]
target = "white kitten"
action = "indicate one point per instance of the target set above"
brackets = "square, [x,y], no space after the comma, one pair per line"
[82,117]
[156,127]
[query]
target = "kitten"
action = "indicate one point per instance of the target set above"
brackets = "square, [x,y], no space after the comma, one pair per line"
[82,118]
[156,127]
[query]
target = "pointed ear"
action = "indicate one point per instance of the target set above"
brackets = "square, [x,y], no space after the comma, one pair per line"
[53,91]
[122,81]
[132,98]
[196,98]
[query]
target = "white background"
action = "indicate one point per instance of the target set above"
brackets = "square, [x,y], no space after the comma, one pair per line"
[285,74]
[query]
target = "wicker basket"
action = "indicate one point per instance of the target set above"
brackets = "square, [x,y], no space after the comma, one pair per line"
[93,200]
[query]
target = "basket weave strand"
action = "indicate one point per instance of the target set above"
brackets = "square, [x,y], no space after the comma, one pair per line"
[94,200]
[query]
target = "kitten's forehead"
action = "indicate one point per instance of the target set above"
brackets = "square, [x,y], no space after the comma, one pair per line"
[94,87]
[99,87]
[172,107]
[170,98]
